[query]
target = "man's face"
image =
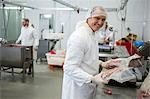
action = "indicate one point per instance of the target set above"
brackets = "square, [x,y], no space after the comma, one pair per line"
[96,22]
[25,23]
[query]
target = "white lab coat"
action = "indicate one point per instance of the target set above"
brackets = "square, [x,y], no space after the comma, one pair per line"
[28,37]
[81,63]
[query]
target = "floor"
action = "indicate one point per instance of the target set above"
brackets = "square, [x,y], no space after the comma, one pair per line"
[117,92]
[47,85]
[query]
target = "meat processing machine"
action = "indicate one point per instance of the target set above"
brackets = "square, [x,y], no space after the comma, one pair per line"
[16,56]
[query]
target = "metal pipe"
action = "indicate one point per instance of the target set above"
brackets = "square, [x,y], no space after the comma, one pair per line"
[15,4]
[111,9]
[82,9]
[66,4]
[124,4]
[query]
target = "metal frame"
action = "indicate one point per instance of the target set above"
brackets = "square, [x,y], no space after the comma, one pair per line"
[82,9]
[15,4]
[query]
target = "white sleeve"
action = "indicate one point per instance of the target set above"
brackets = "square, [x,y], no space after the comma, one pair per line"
[36,37]
[19,38]
[74,56]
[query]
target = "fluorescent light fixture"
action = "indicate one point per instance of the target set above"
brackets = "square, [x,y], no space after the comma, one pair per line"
[47,15]
[14,8]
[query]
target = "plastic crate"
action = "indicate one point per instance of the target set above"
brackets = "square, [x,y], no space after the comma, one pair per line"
[55,59]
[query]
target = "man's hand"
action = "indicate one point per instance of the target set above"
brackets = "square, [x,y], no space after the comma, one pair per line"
[17,42]
[99,79]
[110,63]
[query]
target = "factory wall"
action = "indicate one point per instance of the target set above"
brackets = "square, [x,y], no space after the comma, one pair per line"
[68,18]
[135,16]
[147,22]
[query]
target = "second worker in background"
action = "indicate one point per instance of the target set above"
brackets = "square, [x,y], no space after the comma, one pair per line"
[28,36]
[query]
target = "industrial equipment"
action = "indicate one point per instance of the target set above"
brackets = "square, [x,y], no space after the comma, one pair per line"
[105,48]
[47,43]
[144,50]
[44,47]
[16,56]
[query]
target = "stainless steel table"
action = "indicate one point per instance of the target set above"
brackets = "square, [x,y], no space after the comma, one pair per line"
[118,52]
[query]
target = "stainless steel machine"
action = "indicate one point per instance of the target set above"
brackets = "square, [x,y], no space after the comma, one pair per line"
[45,45]
[16,56]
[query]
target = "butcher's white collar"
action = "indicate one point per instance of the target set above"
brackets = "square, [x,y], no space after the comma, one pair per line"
[89,29]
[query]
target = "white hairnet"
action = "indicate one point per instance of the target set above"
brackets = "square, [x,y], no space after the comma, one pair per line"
[97,11]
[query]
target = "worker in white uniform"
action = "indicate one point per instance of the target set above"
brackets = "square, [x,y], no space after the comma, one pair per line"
[82,61]
[106,34]
[28,36]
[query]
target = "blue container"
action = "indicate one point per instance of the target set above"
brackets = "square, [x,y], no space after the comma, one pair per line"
[138,43]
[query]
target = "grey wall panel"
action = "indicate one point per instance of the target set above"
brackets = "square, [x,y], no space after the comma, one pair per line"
[14,24]
[10,24]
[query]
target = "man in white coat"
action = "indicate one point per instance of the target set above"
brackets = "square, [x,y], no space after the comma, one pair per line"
[28,36]
[82,61]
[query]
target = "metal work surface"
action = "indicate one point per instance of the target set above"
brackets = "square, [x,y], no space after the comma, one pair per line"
[119,51]
[12,56]
[15,55]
